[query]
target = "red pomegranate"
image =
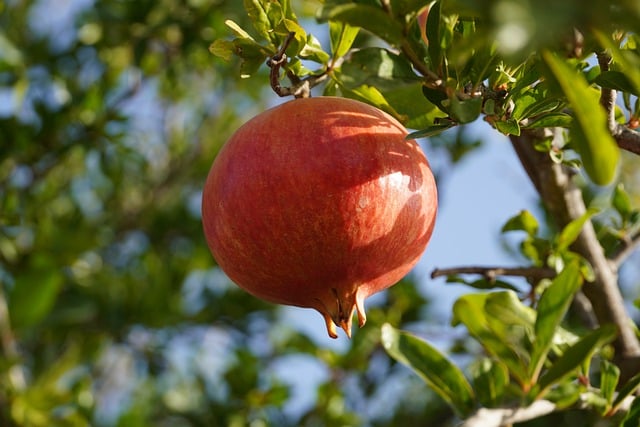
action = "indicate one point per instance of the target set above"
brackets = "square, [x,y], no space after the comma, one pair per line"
[319,203]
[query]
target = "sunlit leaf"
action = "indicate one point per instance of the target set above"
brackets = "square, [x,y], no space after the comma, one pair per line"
[439,373]
[342,36]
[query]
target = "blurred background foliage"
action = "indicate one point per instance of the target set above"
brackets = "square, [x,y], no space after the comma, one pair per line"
[112,312]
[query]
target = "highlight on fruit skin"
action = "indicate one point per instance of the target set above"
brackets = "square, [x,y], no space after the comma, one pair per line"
[319,203]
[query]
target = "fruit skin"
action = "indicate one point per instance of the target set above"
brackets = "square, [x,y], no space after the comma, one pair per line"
[319,203]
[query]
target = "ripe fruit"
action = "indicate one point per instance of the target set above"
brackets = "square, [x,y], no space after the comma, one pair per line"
[320,203]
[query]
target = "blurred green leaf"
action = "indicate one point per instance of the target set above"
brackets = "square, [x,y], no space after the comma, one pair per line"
[598,150]
[34,292]
[571,231]
[438,372]
[523,221]
[621,201]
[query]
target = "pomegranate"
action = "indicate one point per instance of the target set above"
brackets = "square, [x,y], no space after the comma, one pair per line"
[319,203]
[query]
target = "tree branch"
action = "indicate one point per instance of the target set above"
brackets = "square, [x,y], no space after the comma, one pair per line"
[563,199]
[490,273]
[627,139]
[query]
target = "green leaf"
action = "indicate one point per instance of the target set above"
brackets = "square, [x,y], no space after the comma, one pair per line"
[632,419]
[368,17]
[598,150]
[576,355]
[370,95]
[508,127]
[433,31]
[552,307]
[524,221]
[626,390]
[430,130]
[406,100]
[342,36]
[377,67]
[253,56]
[224,49]
[621,201]
[626,60]
[538,107]
[34,292]
[287,26]
[571,231]
[258,12]
[551,120]
[490,380]
[238,31]
[313,51]
[609,376]
[434,368]
[465,110]
[616,80]
[470,310]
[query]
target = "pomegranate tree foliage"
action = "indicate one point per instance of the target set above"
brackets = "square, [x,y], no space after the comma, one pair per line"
[111,312]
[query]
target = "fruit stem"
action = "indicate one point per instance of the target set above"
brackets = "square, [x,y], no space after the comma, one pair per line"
[300,88]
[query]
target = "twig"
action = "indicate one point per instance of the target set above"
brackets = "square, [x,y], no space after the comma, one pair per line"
[300,88]
[490,273]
